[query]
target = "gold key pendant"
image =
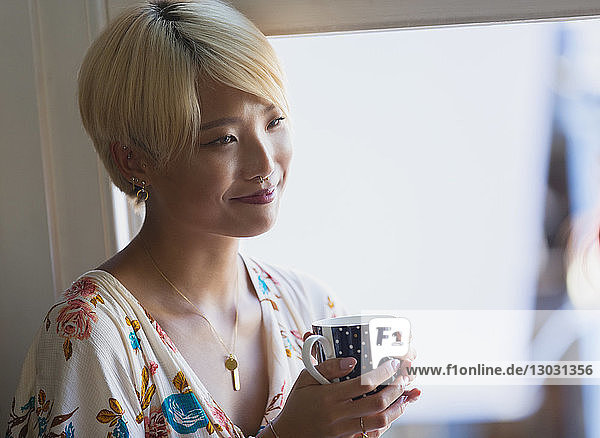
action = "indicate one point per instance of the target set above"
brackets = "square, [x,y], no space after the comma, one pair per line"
[232,365]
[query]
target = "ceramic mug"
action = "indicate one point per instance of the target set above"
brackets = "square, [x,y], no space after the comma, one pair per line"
[370,339]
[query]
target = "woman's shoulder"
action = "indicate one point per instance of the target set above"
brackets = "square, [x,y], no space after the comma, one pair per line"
[86,311]
[85,332]
[292,279]
[96,292]
[79,359]
[303,288]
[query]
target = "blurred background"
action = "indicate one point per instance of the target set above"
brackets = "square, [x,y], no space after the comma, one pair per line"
[445,167]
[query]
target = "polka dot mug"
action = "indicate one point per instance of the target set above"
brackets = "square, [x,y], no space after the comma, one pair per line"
[370,339]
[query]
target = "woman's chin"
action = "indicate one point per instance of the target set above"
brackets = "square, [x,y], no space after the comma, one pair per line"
[256,229]
[253,226]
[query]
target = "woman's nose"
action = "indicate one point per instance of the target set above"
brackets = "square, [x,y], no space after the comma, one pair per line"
[261,162]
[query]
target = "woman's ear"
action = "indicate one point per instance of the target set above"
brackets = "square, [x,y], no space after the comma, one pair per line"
[130,162]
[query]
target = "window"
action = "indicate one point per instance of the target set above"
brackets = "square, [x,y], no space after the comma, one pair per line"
[421,169]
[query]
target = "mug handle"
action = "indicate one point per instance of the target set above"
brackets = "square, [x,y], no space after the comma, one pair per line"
[306,356]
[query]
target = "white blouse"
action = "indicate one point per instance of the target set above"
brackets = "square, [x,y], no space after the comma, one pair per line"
[100,365]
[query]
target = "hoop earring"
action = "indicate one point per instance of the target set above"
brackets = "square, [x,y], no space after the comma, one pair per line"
[142,194]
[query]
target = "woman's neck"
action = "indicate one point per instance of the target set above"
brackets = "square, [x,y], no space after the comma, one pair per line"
[203,267]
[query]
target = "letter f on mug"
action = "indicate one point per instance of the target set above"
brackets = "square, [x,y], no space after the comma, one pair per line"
[380,334]
[389,337]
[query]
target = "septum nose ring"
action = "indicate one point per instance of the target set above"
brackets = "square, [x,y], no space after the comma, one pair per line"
[262,179]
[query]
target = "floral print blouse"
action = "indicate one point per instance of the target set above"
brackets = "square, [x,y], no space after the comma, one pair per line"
[100,365]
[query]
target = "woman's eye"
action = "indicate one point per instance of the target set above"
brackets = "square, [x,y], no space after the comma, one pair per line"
[275,122]
[224,140]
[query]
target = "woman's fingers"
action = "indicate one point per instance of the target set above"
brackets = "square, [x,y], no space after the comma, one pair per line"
[386,417]
[381,420]
[367,382]
[376,423]
[375,403]
[409,358]
[374,433]
[403,372]
[412,351]
[313,351]
[330,369]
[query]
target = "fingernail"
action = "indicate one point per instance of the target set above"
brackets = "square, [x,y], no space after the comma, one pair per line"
[395,364]
[405,380]
[414,399]
[347,363]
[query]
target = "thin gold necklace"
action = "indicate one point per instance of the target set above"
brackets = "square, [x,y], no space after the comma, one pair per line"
[231,362]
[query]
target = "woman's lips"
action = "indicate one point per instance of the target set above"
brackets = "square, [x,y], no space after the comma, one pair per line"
[259,199]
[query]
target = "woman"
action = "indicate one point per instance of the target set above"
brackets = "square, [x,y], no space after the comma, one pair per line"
[185,104]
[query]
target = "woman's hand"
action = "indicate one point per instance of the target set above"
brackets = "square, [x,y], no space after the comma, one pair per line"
[328,411]
[409,395]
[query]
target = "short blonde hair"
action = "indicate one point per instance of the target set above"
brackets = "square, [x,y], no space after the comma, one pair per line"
[138,83]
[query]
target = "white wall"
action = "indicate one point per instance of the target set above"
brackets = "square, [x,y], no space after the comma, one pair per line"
[25,269]
[56,214]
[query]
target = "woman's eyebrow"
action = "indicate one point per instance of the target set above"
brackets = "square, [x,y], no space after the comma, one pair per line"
[219,122]
[229,120]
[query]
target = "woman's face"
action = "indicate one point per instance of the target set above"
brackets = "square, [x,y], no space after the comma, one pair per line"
[242,137]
